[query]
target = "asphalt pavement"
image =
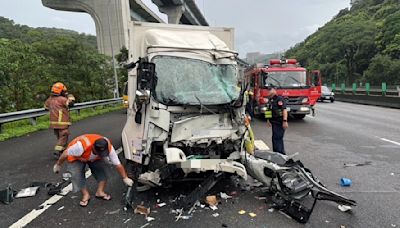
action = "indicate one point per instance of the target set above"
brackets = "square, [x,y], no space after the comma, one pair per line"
[340,133]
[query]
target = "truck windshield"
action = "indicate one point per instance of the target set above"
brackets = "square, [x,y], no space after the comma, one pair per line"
[183,81]
[286,78]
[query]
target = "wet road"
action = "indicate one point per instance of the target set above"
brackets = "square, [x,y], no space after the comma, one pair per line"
[340,133]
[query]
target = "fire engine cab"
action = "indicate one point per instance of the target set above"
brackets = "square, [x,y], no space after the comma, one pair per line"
[299,89]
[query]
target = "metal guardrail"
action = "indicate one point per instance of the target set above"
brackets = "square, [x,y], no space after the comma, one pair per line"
[32,114]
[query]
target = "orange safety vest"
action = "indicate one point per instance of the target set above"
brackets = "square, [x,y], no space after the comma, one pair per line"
[87,141]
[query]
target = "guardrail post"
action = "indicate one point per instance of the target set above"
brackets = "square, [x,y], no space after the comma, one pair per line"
[78,112]
[398,90]
[354,88]
[333,87]
[1,128]
[384,89]
[342,87]
[33,121]
[367,88]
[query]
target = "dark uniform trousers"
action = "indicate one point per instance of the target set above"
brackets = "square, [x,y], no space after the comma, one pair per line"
[277,137]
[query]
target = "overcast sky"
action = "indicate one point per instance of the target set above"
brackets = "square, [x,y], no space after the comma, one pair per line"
[260,25]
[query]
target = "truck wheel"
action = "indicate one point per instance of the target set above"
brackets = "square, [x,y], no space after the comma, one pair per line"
[299,116]
[332,100]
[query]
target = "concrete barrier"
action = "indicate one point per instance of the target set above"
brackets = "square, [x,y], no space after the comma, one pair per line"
[384,101]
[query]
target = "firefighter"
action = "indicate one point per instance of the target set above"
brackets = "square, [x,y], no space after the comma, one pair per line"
[90,150]
[58,104]
[277,117]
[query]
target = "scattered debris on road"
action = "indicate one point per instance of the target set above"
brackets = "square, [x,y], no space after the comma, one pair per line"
[242,212]
[215,215]
[129,219]
[345,165]
[113,212]
[149,219]
[27,192]
[7,195]
[140,209]
[345,182]
[252,214]
[344,208]
[211,200]
[159,205]
[60,208]
[225,196]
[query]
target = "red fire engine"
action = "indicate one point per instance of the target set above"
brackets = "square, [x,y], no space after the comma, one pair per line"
[299,89]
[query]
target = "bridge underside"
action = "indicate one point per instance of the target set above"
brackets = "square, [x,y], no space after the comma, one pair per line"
[111,17]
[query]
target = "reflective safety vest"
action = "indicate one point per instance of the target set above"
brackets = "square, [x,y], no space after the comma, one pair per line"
[59,113]
[87,142]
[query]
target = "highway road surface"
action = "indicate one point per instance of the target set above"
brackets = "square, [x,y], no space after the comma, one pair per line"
[340,133]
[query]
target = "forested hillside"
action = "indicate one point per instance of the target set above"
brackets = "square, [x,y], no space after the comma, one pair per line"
[360,44]
[32,59]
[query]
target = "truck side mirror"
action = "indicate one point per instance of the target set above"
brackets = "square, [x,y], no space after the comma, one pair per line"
[146,75]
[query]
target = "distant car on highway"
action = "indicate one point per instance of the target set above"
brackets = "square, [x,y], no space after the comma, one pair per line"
[326,94]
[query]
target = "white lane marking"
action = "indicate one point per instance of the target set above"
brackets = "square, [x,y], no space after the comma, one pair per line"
[259,144]
[28,218]
[387,140]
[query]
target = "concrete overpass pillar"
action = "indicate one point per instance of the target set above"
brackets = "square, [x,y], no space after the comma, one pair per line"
[174,13]
[111,18]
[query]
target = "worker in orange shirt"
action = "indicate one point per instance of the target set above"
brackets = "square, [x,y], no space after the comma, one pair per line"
[58,105]
[90,150]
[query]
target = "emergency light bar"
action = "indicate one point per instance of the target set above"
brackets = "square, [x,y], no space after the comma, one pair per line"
[282,61]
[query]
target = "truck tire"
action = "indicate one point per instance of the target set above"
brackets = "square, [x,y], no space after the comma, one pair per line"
[299,116]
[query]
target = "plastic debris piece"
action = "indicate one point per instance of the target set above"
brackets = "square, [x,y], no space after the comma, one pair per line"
[252,214]
[159,205]
[129,219]
[260,197]
[344,208]
[112,212]
[211,200]
[242,212]
[224,195]
[142,210]
[149,219]
[393,225]
[145,225]
[391,174]
[345,182]
[202,205]
[327,221]
[271,210]
[356,164]
[213,207]
[60,208]
[215,215]
[73,197]
[27,192]
[341,226]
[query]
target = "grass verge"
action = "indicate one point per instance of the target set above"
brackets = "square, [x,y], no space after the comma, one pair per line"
[23,127]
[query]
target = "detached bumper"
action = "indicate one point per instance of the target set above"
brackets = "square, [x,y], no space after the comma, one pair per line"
[216,165]
[177,157]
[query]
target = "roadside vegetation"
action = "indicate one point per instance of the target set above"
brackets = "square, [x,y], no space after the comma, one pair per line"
[360,44]
[32,59]
[23,127]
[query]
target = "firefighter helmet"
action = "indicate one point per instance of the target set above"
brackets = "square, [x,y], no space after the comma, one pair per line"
[58,88]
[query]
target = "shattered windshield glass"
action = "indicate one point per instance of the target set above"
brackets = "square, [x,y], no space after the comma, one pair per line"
[187,81]
[286,78]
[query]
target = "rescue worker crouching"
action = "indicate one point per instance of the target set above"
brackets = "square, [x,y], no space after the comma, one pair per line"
[58,105]
[90,149]
[277,117]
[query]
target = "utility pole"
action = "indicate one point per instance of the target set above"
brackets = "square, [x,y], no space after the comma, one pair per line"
[116,91]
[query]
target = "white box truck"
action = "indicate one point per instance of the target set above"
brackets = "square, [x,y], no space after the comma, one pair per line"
[186,112]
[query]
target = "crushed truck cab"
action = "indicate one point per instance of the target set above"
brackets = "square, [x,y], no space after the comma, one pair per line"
[185,103]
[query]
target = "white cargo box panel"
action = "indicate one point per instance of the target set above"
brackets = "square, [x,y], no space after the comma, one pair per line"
[144,35]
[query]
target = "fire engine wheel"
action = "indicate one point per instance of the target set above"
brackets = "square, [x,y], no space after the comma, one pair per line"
[299,116]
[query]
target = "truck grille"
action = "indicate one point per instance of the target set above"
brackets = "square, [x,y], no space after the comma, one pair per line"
[294,100]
